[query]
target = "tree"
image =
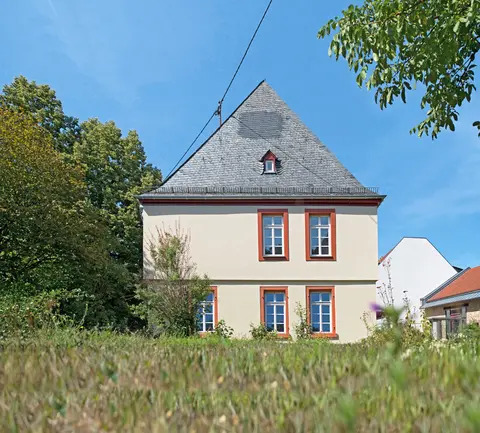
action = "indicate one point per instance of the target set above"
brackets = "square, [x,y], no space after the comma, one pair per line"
[115,167]
[116,171]
[41,198]
[393,45]
[41,103]
[51,237]
[171,301]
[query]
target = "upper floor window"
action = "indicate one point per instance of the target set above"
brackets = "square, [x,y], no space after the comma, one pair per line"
[321,310]
[207,313]
[269,163]
[320,226]
[273,234]
[274,309]
[269,166]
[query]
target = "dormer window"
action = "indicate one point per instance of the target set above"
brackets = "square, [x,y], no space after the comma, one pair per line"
[269,163]
[269,166]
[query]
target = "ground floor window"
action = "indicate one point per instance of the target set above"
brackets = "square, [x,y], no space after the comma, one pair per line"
[321,310]
[274,309]
[207,313]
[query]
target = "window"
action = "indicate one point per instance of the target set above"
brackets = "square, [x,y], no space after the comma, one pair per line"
[207,316]
[320,234]
[273,234]
[269,166]
[321,311]
[274,309]
[456,317]
[269,163]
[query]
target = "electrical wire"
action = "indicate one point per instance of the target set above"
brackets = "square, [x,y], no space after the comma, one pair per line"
[218,111]
[246,52]
[191,145]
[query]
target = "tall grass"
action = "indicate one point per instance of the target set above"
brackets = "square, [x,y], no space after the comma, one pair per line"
[69,381]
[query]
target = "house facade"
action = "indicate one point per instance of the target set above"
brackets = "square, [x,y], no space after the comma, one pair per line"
[410,269]
[275,221]
[454,303]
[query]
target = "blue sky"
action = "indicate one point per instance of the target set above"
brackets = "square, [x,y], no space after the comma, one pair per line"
[161,66]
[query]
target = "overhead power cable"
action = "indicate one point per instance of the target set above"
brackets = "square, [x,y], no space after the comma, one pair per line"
[241,61]
[191,145]
[218,111]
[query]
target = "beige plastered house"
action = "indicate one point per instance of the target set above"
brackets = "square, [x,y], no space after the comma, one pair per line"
[274,220]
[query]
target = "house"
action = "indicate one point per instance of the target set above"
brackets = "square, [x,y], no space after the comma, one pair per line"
[410,269]
[275,220]
[454,303]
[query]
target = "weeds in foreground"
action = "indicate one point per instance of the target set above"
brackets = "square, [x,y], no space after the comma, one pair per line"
[68,380]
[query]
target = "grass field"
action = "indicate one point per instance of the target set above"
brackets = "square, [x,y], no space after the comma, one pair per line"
[74,382]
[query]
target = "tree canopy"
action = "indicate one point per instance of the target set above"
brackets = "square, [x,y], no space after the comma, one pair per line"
[41,102]
[69,217]
[395,45]
[116,171]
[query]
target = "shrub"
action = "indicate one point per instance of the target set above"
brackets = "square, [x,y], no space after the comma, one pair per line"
[21,315]
[261,332]
[469,332]
[303,329]
[222,330]
[170,303]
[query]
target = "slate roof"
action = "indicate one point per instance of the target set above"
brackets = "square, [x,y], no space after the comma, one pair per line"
[229,162]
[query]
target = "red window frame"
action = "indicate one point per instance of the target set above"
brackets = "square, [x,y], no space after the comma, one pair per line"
[284,214]
[284,289]
[331,289]
[333,234]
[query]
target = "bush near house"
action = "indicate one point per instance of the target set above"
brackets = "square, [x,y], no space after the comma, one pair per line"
[86,381]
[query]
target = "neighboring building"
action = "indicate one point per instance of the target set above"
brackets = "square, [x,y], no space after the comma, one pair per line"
[414,267]
[274,220]
[454,303]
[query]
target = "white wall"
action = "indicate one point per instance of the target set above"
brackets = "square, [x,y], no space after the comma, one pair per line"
[416,268]
[224,242]
[239,305]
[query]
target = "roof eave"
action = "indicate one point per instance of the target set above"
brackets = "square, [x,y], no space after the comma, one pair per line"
[468,296]
[173,197]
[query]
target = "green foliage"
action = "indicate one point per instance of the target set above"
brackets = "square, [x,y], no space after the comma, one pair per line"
[41,103]
[470,332]
[170,302]
[74,225]
[395,333]
[115,172]
[261,332]
[22,315]
[303,329]
[394,45]
[222,330]
[82,381]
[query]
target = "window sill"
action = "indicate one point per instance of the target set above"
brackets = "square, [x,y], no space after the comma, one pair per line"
[321,259]
[283,336]
[205,334]
[274,259]
[329,336]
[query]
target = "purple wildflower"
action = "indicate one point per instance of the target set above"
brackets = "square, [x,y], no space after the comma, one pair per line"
[376,308]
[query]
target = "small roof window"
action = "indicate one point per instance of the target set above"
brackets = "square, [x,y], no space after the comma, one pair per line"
[269,163]
[269,166]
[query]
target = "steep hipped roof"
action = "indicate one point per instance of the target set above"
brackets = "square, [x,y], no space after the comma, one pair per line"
[229,162]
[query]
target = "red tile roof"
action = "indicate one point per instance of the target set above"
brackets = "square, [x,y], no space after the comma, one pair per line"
[468,282]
